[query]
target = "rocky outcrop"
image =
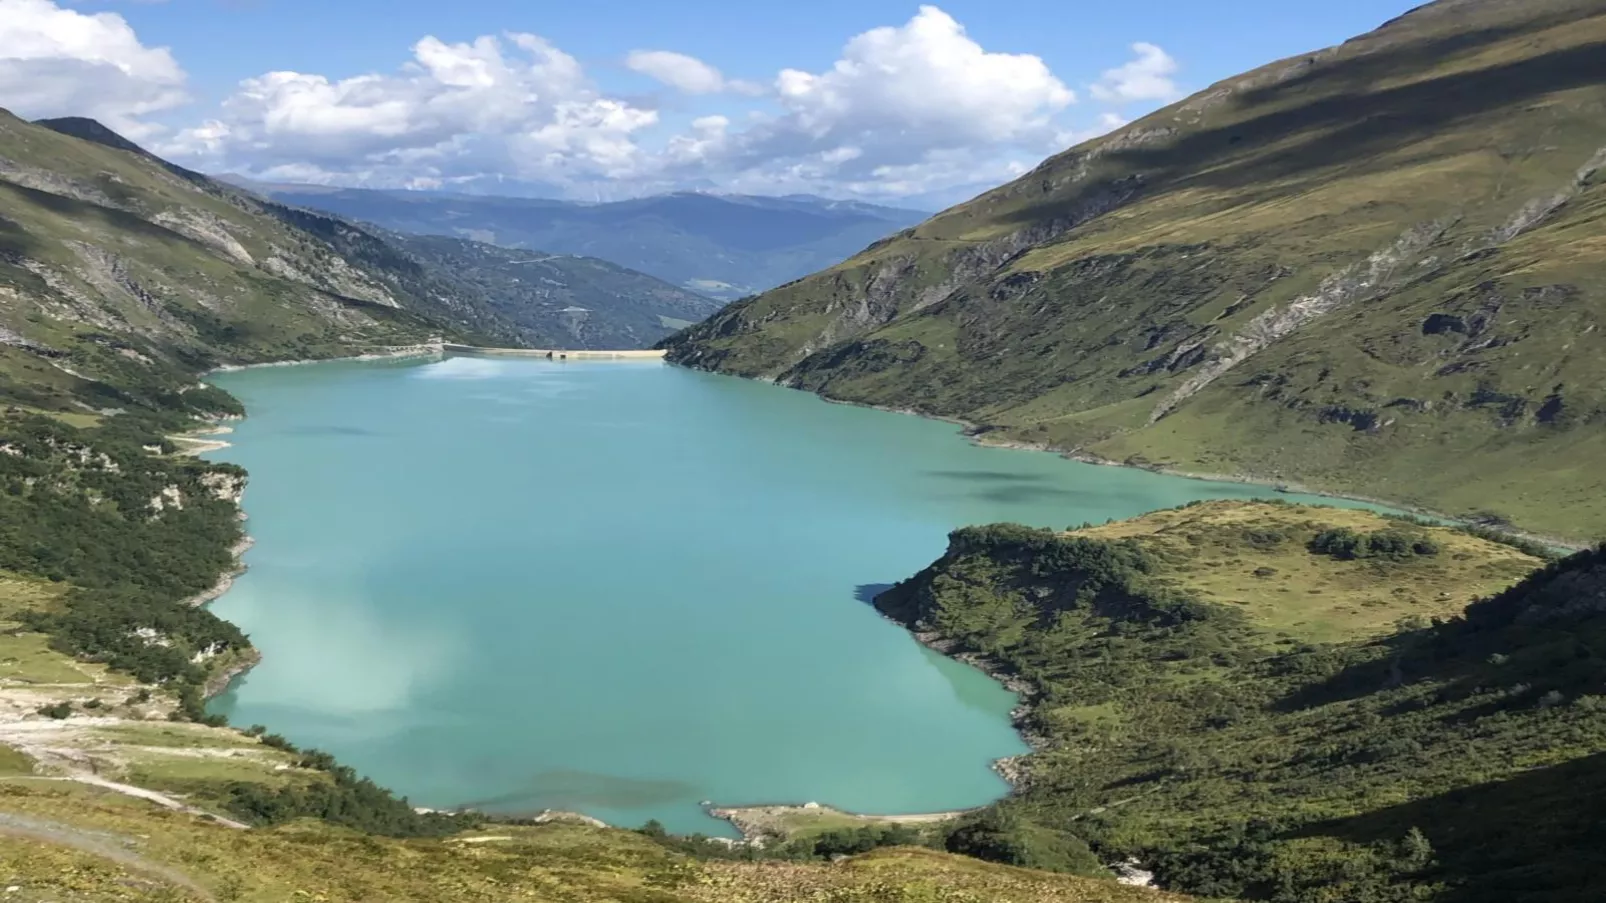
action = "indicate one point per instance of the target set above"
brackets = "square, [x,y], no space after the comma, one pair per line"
[1353,283]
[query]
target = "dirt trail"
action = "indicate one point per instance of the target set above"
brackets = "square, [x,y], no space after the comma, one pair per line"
[106,846]
[60,744]
[160,799]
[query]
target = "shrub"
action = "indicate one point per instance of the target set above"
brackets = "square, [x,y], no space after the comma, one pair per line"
[1342,543]
[1391,544]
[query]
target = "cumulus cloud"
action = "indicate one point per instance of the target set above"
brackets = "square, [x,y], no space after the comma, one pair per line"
[904,109]
[927,80]
[514,105]
[59,62]
[1146,77]
[685,73]
[902,106]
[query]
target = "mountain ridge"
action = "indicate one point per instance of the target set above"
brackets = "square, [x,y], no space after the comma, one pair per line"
[722,245]
[1328,271]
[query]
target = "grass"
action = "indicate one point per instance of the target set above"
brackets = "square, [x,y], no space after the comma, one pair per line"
[176,736]
[26,658]
[1244,205]
[554,862]
[1323,729]
[1290,593]
[13,763]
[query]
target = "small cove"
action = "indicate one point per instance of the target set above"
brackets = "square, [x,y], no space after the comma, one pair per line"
[620,587]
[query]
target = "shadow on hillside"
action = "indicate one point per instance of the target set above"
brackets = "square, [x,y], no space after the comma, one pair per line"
[1535,838]
[80,212]
[1349,120]
[866,592]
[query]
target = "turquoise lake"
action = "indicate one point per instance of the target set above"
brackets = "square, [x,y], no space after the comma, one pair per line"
[622,588]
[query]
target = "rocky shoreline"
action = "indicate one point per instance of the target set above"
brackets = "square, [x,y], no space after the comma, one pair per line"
[249,658]
[982,435]
[1015,770]
[226,580]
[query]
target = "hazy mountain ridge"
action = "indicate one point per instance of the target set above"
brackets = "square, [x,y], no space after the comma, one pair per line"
[561,300]
[1374,268]
[715,244]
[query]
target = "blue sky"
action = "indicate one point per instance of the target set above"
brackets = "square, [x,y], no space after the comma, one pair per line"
[606,98]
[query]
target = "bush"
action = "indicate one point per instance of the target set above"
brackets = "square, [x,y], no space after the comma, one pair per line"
[1342,543]
[997,834]
[1392,544]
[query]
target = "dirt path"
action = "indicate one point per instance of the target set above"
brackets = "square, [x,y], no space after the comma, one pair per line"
[106,846]
[160,799]
[60,744]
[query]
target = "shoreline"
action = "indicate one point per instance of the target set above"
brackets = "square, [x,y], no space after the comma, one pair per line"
[978,435]
[761,824]
[398,352]
[1014,770]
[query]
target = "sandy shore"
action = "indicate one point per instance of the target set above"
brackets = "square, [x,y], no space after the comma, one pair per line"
[760,825]
[401,351]
[196,442]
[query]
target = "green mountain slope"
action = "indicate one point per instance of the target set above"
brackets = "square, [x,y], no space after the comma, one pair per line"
[123,277]
[724,246]
[1271,702]
[559,301]
[1377,268]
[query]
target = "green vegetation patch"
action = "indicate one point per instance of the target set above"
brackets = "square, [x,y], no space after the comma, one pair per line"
[81,843]
[1248,742]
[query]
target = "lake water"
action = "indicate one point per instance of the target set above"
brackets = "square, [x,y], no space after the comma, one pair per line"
[622,588]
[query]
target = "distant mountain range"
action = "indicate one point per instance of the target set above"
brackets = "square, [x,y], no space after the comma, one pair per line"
[562,299]
[719,245]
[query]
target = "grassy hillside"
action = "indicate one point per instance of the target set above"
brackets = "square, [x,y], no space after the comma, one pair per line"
[124,276]
[79,844]
[1374,268]
[1273,702]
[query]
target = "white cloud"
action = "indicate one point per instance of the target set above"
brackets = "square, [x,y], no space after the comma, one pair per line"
[60,62]
[515,105]
[904,109]
[927,81]
[677,70]
[1147,77]
[909,104]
